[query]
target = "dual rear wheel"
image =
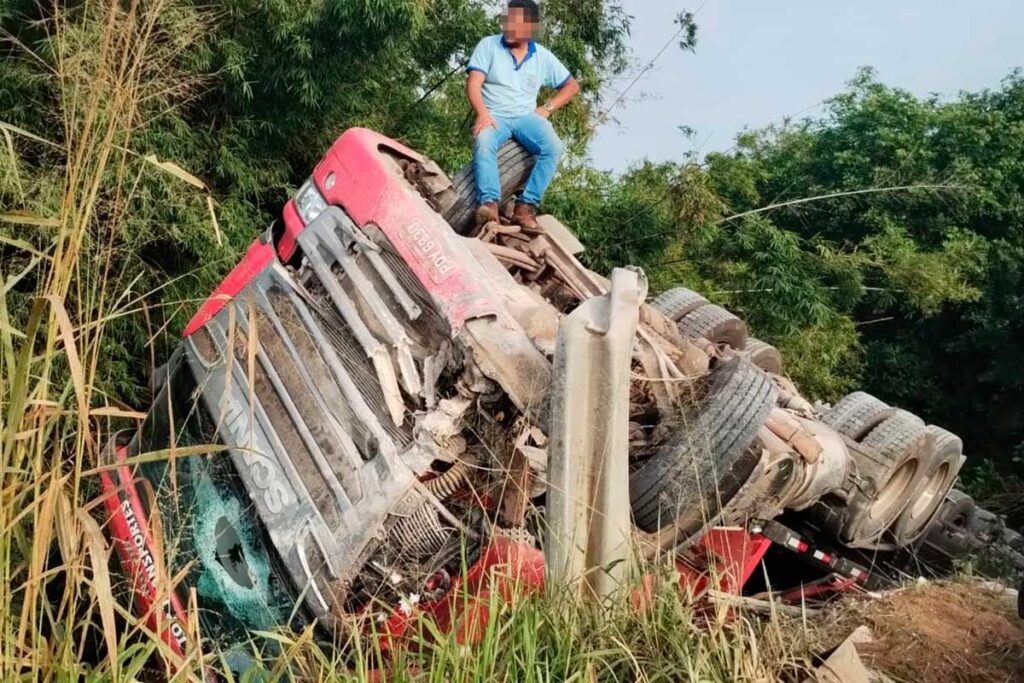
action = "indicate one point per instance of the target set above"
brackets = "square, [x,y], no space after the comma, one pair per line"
[906,468]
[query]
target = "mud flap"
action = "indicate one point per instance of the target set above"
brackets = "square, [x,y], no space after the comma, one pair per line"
[588,536]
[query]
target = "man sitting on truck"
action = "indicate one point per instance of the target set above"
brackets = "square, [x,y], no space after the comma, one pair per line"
[506,73]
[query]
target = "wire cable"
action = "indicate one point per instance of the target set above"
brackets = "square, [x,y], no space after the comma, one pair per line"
[650,65]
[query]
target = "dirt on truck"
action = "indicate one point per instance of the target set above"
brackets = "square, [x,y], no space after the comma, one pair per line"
[407,401]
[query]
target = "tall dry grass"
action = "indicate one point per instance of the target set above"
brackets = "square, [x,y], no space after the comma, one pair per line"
[110,67]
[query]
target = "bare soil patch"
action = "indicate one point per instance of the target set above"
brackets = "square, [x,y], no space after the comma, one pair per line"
[943,632]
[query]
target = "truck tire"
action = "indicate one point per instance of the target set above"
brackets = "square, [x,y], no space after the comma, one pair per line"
[514,166]
[763,355]
[715,324]
[678,302]
[939,475]
[984,522]
[857,414]
[897,445]
[949,537]
[702,465]
[896,434]
[958,510]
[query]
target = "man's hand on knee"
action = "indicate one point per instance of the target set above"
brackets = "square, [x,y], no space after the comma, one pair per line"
[484,121]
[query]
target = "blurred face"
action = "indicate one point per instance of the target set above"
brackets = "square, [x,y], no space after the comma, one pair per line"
[517,26]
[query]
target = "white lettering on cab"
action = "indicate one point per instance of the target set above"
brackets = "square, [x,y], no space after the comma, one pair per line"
[431,251]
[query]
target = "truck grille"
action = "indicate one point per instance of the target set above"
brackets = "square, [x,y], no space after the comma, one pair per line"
[315,401]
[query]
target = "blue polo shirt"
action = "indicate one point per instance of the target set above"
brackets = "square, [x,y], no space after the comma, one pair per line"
[511,87]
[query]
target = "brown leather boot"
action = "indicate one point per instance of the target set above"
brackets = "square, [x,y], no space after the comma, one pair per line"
[525,216]
[487,213]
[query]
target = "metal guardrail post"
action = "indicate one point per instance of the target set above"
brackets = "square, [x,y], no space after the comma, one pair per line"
[588,541]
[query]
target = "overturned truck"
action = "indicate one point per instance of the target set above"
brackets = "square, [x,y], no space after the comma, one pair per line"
[376,378]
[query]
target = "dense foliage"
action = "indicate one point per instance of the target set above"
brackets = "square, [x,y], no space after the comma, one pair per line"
[880,246]
[942,334]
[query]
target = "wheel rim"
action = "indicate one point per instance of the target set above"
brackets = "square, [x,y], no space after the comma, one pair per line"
[888,500]
[929,498]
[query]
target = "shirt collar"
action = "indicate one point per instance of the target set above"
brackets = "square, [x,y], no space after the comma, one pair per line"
[531,49]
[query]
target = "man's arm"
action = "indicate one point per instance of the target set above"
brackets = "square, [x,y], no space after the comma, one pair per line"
[564,95]
[474,91]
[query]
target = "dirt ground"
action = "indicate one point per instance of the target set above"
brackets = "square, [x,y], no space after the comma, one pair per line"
[957,632]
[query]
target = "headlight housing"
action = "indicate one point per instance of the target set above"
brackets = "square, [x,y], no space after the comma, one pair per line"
[309,202]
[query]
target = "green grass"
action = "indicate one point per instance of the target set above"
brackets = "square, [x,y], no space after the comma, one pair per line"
[537,638]
[548,639]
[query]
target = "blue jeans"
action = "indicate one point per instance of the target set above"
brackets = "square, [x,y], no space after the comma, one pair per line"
[537,135]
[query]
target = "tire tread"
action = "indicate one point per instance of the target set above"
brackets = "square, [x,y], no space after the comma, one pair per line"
[857,414]
[706,455]
[715,324]
[678,302]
